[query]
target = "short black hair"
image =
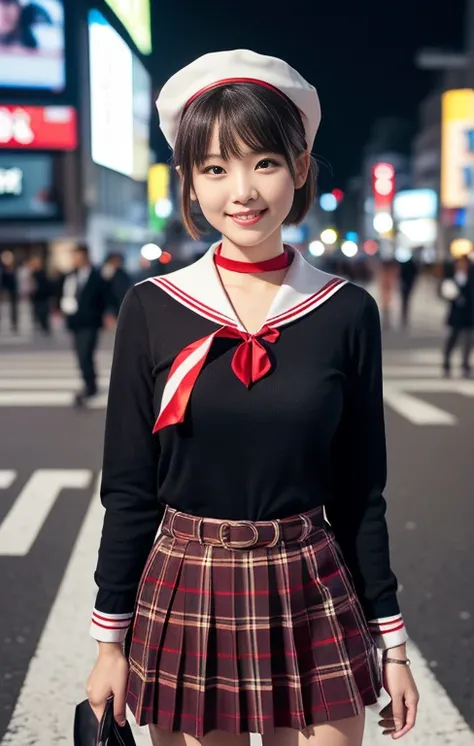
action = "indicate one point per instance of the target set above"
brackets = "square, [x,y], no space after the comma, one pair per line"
[262,119]
[82,248]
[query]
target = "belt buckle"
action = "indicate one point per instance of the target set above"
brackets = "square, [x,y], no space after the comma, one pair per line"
[240,544]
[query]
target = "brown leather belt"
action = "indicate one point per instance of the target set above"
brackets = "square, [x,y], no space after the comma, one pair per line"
[242,534]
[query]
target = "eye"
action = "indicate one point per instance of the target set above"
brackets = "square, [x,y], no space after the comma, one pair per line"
[267,163]
[213,170]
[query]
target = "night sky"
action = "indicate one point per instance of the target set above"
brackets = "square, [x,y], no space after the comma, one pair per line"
[358,54]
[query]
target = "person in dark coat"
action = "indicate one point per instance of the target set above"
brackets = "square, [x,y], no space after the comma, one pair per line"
[459,291]
[117,283]
[41,294]
[408,276]
[9,279]
[83,303]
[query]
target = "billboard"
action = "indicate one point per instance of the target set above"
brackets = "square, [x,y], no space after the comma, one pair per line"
[411,204]
[32,44]
[120,91]
[135,16]
[457,147]
[27,187]
[38,127]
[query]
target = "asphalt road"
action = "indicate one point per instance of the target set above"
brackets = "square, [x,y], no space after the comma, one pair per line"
[50,458]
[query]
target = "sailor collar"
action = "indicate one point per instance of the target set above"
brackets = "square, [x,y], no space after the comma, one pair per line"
[199,288]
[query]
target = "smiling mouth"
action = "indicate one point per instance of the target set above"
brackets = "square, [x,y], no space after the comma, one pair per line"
[247,217]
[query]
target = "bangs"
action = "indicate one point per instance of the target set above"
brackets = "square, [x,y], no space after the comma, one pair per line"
[246,116]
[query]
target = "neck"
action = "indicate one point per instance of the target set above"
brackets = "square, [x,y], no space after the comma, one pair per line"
[267,249]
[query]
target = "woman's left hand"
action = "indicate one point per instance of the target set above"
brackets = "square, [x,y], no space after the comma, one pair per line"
[399,716]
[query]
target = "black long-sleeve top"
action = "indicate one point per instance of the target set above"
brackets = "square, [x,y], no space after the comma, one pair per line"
[311,433]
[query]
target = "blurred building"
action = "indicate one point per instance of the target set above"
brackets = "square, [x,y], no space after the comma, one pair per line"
[75,111]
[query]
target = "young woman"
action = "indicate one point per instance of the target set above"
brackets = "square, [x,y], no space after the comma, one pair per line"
[245,414]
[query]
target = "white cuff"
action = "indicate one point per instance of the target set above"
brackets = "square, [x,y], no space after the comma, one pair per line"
[109,627]
[388,632]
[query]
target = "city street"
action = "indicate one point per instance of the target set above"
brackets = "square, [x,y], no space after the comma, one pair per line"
[50,522]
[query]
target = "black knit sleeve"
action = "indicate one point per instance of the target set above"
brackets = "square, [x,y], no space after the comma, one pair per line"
[359,470]
[129,477]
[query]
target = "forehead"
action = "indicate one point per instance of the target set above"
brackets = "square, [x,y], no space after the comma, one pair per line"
[217,145]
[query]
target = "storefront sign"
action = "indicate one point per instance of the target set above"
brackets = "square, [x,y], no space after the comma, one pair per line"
[11,182]
[38,127]
[457,154]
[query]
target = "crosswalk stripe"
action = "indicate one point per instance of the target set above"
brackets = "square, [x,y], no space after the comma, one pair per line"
[7,477]
[415,410]
[33,384]
[30,510]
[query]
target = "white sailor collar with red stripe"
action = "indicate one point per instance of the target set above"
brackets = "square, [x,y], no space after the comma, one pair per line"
[199,288]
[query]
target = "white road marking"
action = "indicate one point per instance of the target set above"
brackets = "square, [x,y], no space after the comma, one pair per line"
[415,410]
[7,477]
[56,677]
[35,384]
[36,399]
[57,674]
[428,386]
[405,371]
[25,520]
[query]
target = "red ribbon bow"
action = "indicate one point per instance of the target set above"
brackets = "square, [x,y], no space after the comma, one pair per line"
[249,363]
[251,360]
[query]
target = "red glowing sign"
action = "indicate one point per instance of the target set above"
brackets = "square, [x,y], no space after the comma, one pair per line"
[383,185]
[38,127]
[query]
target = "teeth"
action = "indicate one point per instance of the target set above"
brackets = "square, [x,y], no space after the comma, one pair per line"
[250,216]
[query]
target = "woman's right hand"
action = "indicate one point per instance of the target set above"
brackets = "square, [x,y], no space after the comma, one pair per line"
[108,677]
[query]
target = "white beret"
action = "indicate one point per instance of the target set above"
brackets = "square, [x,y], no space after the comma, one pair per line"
[236,66]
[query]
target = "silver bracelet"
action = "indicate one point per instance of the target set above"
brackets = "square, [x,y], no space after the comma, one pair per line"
[404,662]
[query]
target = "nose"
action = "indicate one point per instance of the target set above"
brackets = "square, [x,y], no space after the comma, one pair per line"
[243,190]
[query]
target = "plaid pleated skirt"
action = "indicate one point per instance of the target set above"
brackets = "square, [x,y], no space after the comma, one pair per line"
[245,626]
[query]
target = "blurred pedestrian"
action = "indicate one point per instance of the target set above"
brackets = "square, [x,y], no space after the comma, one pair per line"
[117,282]
[459,291]
[10,287]
[388,272]
[408,274]
[41,293]
[83,302]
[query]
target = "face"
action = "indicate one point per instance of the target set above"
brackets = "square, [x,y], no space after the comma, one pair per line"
[79,259]
[9,17]
[248,198]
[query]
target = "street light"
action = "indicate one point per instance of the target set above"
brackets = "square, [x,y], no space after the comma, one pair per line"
[383,222]
[151,251]
[329,236]
[349,248]
[316,248]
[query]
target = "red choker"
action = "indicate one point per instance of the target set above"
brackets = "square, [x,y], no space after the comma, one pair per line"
[282,261]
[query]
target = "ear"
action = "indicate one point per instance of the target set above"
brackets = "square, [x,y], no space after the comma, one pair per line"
[302,167]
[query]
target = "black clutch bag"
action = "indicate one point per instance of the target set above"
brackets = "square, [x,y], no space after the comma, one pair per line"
[87,732]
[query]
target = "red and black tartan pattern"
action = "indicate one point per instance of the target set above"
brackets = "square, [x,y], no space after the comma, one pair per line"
[249,640]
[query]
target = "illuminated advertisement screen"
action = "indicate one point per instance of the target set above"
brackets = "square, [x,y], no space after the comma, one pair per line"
[27,187]
[457,147]
[135,16]
[120,90]
[32,44]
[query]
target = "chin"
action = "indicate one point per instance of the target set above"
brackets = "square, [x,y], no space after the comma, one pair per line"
[249,237]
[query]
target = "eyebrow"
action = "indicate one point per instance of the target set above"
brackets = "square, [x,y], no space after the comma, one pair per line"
[259,151]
